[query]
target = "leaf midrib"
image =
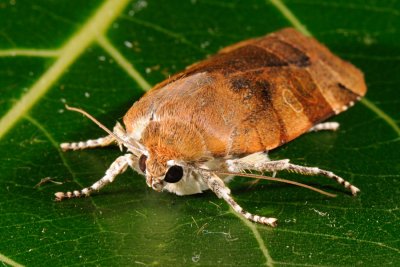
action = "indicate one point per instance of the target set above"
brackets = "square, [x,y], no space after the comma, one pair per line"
[96,25]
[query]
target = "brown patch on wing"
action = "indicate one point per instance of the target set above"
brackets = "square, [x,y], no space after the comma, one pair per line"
[286,51]
[244,58]
[328,70]
[261,127]
[277,109]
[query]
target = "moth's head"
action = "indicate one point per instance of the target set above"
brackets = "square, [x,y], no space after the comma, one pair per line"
[169,148]
[160,173]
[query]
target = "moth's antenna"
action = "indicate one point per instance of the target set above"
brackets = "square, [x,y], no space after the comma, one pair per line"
[269,178]
[102,126]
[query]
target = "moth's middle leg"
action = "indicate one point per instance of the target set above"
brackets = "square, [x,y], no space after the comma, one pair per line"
[222,191]
[119,166]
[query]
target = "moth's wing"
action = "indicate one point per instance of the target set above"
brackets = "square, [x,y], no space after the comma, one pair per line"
[258,94]
[339,81]
[280,86]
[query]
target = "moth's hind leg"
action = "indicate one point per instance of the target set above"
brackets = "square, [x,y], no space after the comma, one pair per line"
[99,142]
[260,162]
[119,166]
[325,126]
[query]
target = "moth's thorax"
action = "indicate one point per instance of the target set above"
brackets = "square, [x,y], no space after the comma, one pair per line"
[176,118]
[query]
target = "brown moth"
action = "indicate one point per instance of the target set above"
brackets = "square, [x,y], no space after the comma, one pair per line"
[222,115]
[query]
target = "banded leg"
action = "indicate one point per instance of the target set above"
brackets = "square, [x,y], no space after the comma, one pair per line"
[218,187]
[99,142]
[117,167]
[261,162]
[325,126]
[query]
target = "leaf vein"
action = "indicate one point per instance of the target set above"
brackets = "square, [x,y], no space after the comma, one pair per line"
[76,45]
[9,261]
[349,5]
[55,144]
[29,52]
[380,244]
[269,261]
[167,32]
[123,63]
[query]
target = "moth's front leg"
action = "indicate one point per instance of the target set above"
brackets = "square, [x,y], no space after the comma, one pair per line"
[119,166]
[260,162]
[99,142]
[222,191]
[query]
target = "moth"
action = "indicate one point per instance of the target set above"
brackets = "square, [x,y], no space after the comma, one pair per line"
[221,116]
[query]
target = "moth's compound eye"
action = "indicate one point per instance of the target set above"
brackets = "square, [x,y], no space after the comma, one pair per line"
[174,174]
[142,163]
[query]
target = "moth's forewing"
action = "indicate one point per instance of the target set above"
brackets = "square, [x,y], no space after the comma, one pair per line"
[255,95]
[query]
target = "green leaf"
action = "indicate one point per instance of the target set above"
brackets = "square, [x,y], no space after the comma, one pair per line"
[101,56]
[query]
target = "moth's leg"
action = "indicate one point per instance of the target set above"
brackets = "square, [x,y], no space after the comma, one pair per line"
[261,162]
[99,142]
[91,143]
[218,187]
[117,167]
[325,126]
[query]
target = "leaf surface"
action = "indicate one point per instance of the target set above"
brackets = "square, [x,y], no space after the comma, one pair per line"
[102,56]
